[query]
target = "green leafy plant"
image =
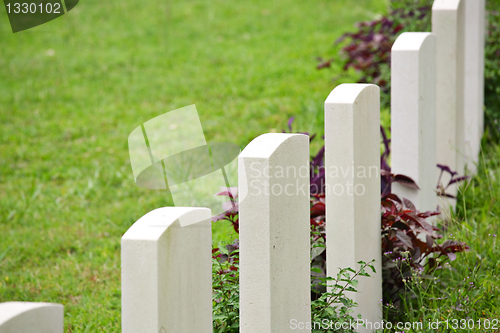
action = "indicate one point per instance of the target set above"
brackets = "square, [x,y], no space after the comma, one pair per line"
[332,311]
[225,285]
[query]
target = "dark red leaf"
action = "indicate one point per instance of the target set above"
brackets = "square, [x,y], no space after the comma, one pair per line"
[406,181]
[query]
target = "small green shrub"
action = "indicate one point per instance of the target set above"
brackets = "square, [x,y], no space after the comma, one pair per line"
[225,286]
[333,309]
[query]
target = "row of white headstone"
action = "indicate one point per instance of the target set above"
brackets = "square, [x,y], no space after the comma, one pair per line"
[436,118]
[166,257]
[437,99]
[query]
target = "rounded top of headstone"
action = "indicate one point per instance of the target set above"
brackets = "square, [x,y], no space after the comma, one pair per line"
[348,93]
[412,41]
[265,145]
[446,4]
[10,310]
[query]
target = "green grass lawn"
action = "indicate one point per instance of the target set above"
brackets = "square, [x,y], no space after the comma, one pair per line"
[72,90]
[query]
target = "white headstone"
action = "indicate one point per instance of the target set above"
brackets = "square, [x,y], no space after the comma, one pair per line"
[352,162]
[167,272]
[413,116]
[274,217]
[21,317]
[448,18]
[475,22]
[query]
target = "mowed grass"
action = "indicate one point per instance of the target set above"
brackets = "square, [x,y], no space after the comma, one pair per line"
[72,90]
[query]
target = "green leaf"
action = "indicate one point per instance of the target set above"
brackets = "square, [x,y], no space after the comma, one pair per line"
[219,317]
[345,301]
[315,269]
[362,272]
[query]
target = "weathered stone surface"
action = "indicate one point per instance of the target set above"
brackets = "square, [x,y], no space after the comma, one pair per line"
[28,317]
[448,18]
[475,23]
[167,272]
[413,116]
[352,161]
[274,234]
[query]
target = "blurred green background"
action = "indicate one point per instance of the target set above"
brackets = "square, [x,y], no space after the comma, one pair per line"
[72,90]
